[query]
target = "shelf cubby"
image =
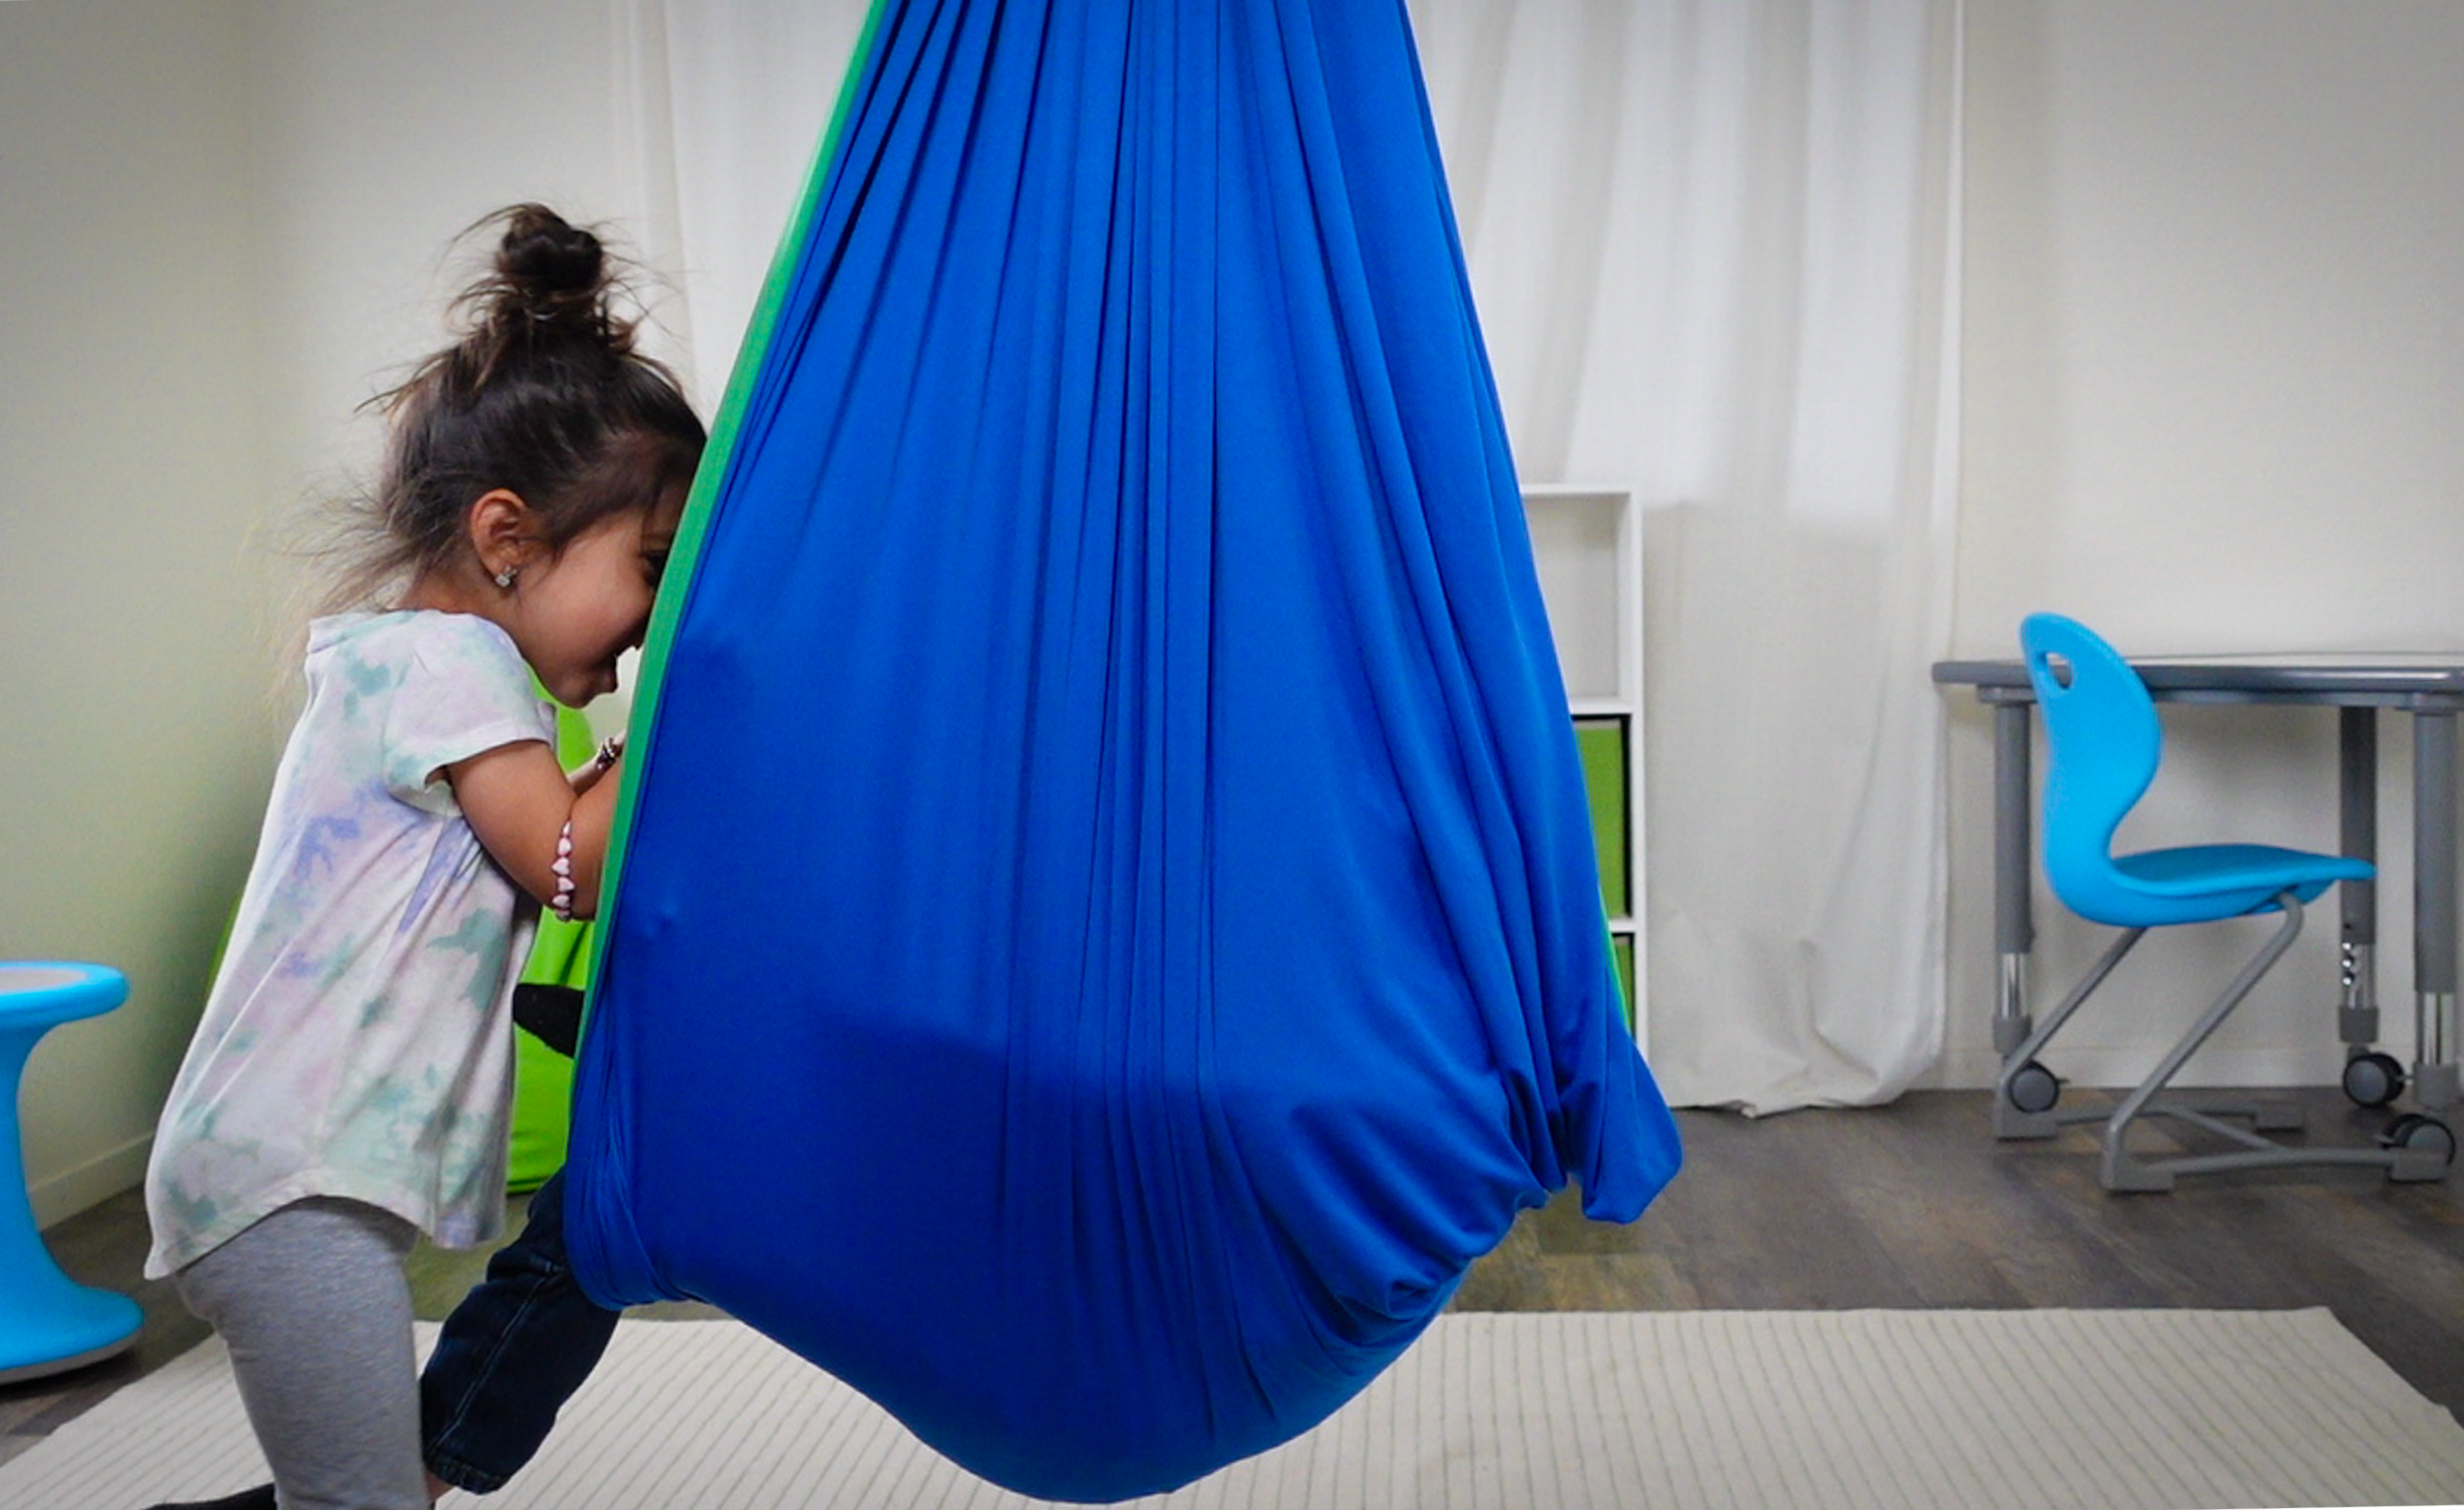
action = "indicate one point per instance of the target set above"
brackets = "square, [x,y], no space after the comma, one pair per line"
[1588,545]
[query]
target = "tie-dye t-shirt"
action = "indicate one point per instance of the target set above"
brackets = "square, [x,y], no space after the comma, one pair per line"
[358,1041]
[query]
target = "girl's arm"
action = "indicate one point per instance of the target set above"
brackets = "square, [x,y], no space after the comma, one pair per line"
[519,801]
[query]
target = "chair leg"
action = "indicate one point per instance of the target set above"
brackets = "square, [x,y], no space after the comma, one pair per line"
[2009,1120]
[2124,1170]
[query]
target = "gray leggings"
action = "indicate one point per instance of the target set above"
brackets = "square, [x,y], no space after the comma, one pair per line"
[315,1309]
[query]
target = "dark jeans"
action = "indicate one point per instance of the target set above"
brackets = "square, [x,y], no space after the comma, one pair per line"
[509,1356]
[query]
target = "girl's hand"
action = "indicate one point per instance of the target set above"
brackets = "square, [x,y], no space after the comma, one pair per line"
[587,775]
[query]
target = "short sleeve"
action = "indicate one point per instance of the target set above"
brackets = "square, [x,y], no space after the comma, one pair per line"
[463,690]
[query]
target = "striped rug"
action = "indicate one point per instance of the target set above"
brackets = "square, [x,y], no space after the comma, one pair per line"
[1758,1411]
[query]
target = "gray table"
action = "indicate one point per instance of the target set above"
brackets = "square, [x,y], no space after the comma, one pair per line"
[2429,687]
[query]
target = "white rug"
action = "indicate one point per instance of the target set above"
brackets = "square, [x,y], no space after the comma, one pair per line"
[1899,1411]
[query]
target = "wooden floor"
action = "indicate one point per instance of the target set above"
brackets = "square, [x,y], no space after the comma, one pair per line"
[1908,1206]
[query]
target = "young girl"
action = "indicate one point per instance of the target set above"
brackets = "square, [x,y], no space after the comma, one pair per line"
[350,1085]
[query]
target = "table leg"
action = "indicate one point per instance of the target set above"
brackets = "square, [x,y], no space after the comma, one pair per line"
[2357,776]
[2433,906]
[2015,929]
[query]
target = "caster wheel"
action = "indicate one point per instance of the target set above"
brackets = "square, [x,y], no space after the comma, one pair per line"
[2413,1130]
[2033,1088]
[2373,1079]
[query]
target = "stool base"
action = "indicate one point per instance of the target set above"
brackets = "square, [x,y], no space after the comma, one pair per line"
[62,1326]
[69,1365]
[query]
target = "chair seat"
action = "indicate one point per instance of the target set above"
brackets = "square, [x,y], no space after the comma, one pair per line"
[2202,882]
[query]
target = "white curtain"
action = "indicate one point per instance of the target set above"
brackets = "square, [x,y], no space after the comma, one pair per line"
[726,102]
[1713,246]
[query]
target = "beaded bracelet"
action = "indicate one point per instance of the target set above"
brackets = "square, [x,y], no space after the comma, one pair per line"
[562,904]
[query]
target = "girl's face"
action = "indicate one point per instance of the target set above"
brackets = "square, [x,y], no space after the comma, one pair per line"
[589,605]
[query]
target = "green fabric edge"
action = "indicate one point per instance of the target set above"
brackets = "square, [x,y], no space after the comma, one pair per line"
[693,531]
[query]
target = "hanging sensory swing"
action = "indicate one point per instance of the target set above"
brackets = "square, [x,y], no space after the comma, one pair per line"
[1107,928]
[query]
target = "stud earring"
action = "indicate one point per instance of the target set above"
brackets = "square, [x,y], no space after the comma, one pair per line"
[505,578]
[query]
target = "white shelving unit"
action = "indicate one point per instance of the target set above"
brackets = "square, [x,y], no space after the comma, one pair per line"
[1588,542]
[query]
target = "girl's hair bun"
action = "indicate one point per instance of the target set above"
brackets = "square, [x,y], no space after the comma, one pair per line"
[546,262]
[548,275]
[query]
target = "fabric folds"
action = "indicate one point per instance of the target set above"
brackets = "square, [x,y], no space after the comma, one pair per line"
[1107,928]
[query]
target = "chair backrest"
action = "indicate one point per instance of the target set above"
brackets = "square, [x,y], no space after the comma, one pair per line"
[2102,729]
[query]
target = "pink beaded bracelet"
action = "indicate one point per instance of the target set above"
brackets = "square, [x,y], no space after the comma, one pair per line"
[562,904]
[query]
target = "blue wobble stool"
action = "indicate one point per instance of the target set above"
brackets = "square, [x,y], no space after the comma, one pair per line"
[49,1322]
[2101,730]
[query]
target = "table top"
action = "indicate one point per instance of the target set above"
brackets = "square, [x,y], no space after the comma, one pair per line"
[2423,680]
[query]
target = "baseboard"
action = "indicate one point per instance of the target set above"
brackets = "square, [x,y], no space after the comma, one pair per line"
[91,1183]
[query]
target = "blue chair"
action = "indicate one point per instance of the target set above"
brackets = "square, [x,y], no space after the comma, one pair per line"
[49,1323]
[2104,743]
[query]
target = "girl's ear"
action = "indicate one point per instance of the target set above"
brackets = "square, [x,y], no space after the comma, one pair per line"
[501,534]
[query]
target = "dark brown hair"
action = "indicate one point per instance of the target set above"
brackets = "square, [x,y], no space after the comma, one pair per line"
[541,394]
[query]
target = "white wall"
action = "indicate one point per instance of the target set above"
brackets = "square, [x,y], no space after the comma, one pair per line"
[2214,371]
[133,718]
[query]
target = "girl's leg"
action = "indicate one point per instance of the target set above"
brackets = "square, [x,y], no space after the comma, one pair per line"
[313,1305]
[513,1352]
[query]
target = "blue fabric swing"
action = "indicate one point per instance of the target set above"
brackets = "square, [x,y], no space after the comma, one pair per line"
[1108,927]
